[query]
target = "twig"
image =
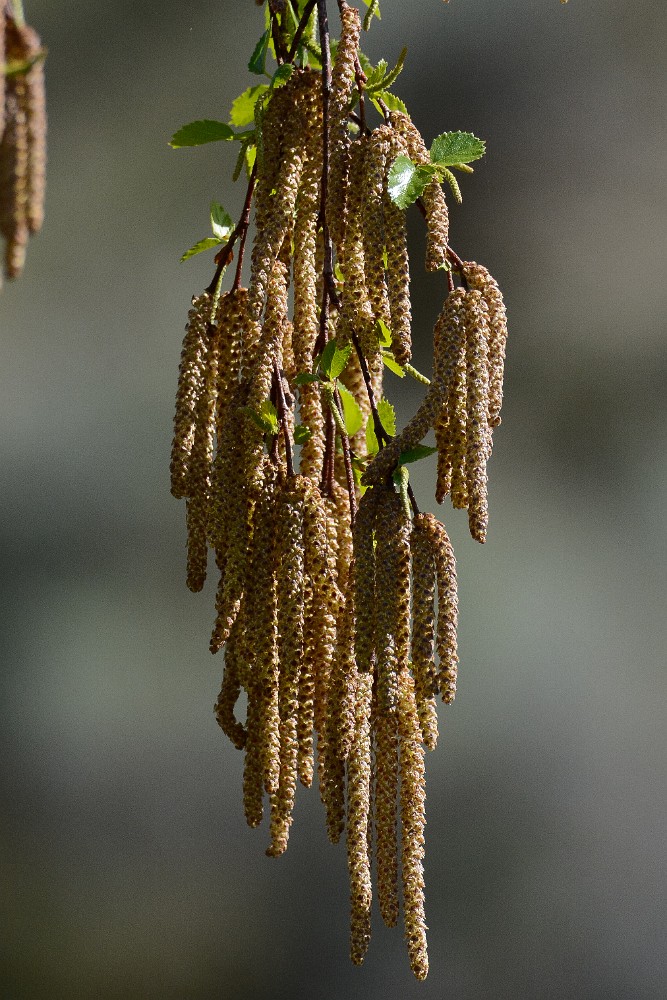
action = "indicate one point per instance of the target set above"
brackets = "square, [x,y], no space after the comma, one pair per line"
[303,24]
[282,416]
[225,256]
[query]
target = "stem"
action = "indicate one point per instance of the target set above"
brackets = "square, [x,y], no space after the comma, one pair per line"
[224,257]
[303,24]
[282,416]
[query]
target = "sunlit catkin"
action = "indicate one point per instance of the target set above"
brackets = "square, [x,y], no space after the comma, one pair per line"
[423,628]
[190,383]
[358,804]
[477,412]
[413,820]
[478,277]
[385,726]
[448,604]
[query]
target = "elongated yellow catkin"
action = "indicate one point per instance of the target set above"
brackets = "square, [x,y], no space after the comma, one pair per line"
[413,821]
[229,694]
[365,600]
[445,566]
[385,726]
[190,383]
[290,591]
[199,472]
[342,83]
[477,412]
[358,805]
[14,178]
[398,281]
[449,364]
[479,278]
[373,222]
[392,590]
[423,629]
[35,113]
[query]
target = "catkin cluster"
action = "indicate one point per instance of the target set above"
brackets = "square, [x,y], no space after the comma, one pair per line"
[336,598]
[22,138]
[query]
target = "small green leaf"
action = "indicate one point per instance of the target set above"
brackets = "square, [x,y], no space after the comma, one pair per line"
[394,73]
[326,358]
[383,333]
[282,75]
[302,434]
[250,157]
[305,378]
[414,454]
[406,181]
[372,446]
[456,147]
[393,102]
[340,360]
[221,224]
[243,108]
[387,415]
[210,241]
[257,62]
[339,274]
[392,364]
[200,132]
[376,76]
[263,424]
[352,414]
[269,414]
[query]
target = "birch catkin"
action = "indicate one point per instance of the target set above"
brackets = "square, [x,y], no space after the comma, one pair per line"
[337,601]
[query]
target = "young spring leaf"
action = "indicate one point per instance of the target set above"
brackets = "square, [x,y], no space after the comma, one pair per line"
[302,434]
[406,181]
[266,419]
[372,446]
[387,415]
[393,102]
[221,224]
[340,360]
[392,364]
[383,333]
[376,76]
[352,414]
[282,75]
[451,148]
[305,378]
[257,62]
[243,108]
[200,132]
[415,454]
[210,241]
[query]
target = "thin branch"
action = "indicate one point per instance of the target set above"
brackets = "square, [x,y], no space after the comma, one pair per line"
[298,35]
[225,256]
[282,416]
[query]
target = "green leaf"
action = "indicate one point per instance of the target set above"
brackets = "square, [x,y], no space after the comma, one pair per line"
[376,76]
[406,181]
[392,364]
[383,333]
[282,75]
[352,414]
[394,73]
[393,102]
[305,378]
[243,108]
[210,241]
[257,62]
[456,147]
[338,274]
[200,132]
[340,360]
[266,419]
[372,446]
[326,358]
[414,454]
[387,415]
[250,157]
[302,434]
[221,224]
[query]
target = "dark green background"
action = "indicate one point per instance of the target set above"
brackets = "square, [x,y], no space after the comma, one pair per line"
[127,868]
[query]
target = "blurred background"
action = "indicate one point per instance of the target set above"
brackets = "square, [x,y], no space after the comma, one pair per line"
[127,868]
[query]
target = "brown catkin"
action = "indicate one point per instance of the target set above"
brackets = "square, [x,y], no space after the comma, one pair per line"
[190,383]
[398,281]
[342,83]
[386,796]
[229,694]
[14,178]
[413,821]
[290,588]
[446,642]
[365,581]
[358,806]
[35,113]
[392,590]
[477,412]
[373,222]
[423,628]
[479,278]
